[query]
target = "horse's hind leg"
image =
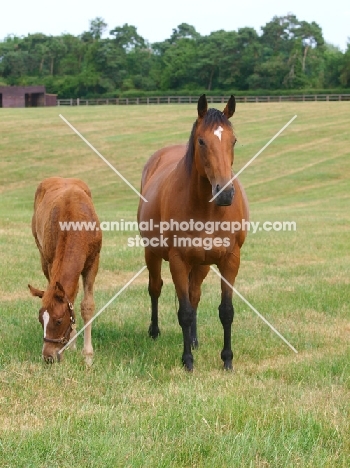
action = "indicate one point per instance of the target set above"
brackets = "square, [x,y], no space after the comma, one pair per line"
[88,306]
[196,277]
[154,264]
[228,269]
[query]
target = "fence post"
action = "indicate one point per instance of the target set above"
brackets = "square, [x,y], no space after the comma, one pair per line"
[71,101]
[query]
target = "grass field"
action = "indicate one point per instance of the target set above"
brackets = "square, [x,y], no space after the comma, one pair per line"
[136,407]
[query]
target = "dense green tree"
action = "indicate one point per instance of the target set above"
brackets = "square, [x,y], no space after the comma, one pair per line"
[127,38]
[72,61]
[332,63]
[288,54]
[246,55]
[110,62]
[13,65]
[184,31]
[216,64]
[179,64]
[345,68]
[97,28]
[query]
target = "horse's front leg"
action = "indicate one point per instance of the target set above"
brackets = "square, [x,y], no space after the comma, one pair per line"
[180,271]
[228,270]
[88,307]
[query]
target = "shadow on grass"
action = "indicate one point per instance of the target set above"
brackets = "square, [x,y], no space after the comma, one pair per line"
[128,343]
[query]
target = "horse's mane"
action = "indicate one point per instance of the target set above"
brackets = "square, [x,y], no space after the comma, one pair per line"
[212,118]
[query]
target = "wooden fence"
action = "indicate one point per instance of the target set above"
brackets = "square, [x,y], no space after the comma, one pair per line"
[194,99]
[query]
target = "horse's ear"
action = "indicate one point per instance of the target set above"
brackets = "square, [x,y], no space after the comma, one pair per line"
[230,107]
[35,292]
[202,106]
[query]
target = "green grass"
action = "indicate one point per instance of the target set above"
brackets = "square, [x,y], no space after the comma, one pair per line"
[136,407]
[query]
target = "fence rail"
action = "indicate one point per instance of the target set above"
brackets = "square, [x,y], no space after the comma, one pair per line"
[194,99]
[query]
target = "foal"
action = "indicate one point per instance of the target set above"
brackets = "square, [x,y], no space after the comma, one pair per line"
[65,255]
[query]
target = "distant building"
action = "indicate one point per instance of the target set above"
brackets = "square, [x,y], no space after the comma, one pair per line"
[26,96]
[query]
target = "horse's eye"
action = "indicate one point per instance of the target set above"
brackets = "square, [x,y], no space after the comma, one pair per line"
[201,142]
[58,322]
[234,142]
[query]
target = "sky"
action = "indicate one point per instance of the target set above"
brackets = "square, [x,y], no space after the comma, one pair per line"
[155,19]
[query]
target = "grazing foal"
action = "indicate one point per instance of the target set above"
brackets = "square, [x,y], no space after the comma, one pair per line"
[178,183]
[65,255]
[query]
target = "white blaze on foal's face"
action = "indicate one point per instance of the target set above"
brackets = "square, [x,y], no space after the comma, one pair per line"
[46,318]
[218,132]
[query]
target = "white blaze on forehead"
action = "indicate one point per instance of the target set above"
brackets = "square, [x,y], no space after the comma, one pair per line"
[218,132]
[46,318]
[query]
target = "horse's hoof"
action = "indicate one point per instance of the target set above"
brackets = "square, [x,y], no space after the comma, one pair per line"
[89,360]
[153,332]
[188,367]
[228,366]
[88,355]
[194,344]
[187,362]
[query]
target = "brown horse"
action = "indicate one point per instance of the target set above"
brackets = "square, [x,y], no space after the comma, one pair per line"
[65,255]
[181,224]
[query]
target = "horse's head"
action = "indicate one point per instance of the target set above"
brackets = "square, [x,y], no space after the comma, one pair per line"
[57,318]
[213,145]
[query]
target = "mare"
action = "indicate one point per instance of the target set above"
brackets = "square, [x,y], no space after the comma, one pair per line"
[179,183]
[65,255]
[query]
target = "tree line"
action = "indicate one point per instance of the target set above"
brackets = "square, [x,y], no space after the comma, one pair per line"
[288,54]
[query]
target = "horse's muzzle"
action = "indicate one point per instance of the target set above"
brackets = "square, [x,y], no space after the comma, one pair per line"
[225,197]
[49,359]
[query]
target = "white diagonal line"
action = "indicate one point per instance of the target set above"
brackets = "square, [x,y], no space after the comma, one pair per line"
[103,308]
[254,157]
[254,310]
[102,157]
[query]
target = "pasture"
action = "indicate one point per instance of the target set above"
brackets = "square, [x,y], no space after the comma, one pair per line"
[136,406]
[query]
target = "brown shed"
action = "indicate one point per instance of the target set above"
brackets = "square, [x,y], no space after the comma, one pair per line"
[26,96]
[50,99]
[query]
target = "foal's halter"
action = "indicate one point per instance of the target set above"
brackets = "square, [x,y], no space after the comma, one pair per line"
[72,326]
